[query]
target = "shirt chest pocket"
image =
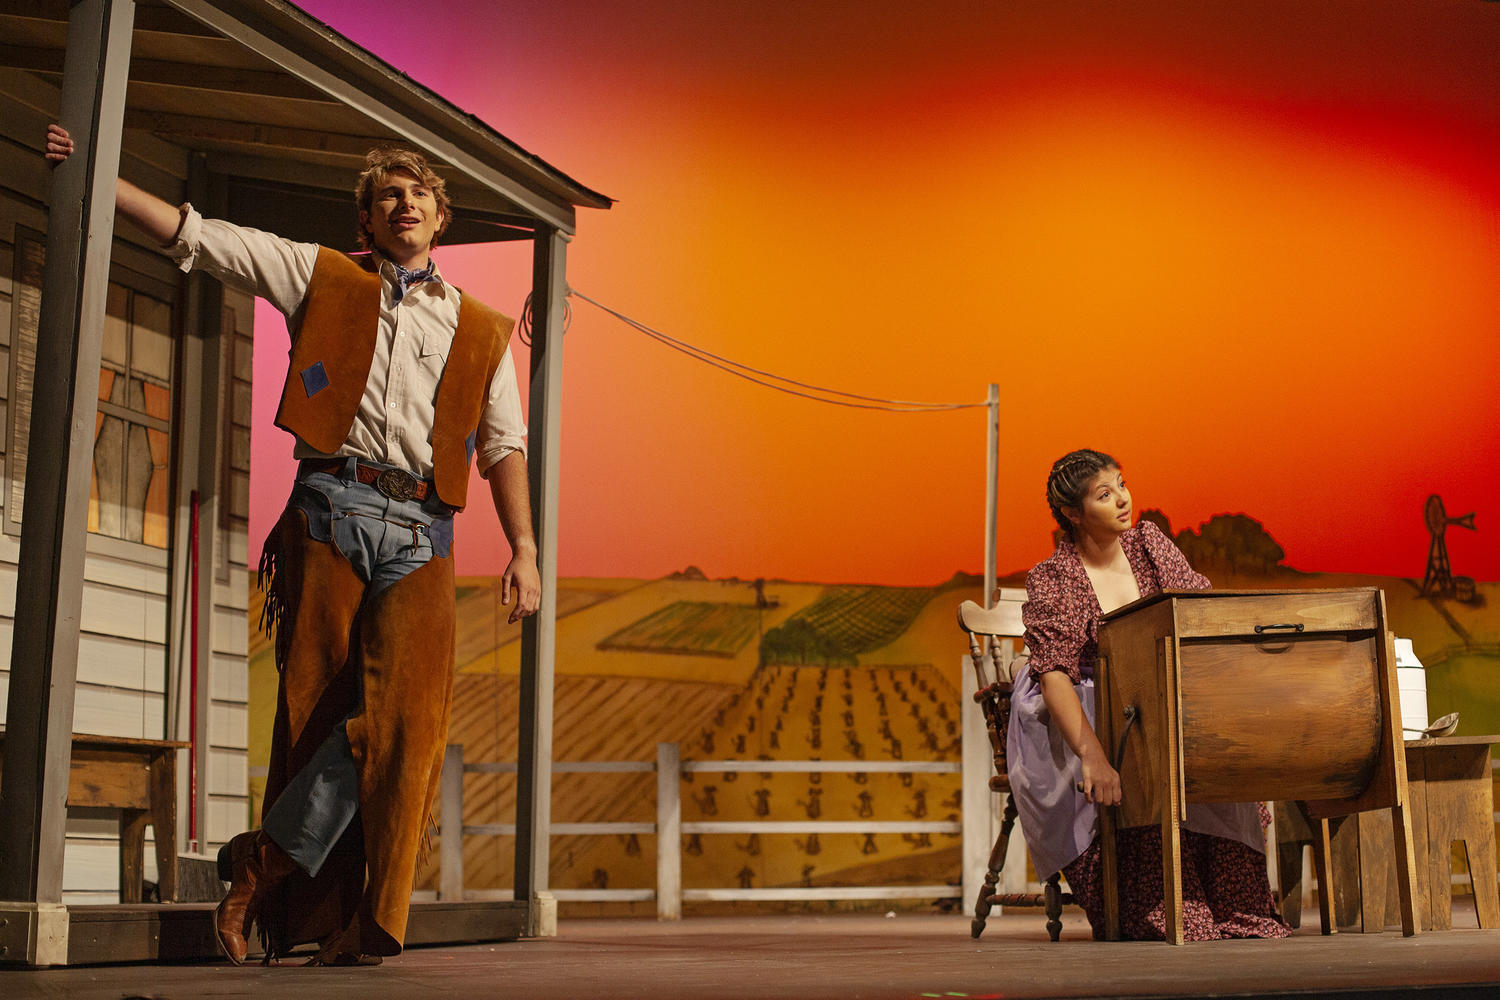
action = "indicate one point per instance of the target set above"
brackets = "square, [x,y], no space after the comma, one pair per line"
[434,350]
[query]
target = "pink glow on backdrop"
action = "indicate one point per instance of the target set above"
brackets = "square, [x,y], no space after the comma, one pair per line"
[1249,248]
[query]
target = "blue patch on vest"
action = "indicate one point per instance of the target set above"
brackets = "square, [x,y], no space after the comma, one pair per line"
[314,379]
[469,444]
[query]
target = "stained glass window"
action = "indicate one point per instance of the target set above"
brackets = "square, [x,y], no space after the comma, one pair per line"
[128,493]
[128,490]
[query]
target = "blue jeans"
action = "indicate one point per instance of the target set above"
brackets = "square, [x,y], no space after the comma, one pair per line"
[384,540]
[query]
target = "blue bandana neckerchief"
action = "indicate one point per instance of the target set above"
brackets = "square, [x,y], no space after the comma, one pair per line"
[406,278]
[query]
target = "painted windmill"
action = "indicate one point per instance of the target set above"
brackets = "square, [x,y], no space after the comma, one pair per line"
[1440,580]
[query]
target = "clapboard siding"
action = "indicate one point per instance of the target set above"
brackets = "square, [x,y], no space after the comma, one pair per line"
[239,549]
[108,608]
[227,771]
[113,698]
[230,635]
[113,661]
[229,681]
[121,646]
[235,593]
[115,711]
[131,614]
[229,724]
[91,862]
[107,560]
[227,816]
[118,570]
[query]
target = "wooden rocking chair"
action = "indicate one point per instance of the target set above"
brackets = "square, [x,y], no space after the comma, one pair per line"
[1001,626]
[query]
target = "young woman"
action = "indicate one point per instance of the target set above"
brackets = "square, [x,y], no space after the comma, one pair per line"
[1104,562]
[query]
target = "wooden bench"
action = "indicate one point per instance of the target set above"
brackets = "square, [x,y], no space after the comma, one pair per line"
[1452,799]
[138,778]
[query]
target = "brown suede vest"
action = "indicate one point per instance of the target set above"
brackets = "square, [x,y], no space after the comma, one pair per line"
[336,346]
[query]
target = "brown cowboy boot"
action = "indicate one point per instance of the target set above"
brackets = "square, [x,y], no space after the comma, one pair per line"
[343,948]
[255,865]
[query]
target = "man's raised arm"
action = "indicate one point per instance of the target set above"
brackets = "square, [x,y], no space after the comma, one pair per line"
[145,211]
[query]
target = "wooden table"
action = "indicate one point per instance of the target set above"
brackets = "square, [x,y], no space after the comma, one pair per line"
[1451,788]
[1236,696]
[138,778]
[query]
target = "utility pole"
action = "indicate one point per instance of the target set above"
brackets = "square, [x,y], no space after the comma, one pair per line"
[991,492]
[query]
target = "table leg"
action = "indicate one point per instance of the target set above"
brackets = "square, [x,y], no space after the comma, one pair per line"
[1108,873]
[1322,846]
[1481,854]
[1171,870]
[1406,871]
[1172,798]
[1289,879]
[1416,834]
[1439,882]
[1460,806]
[1375,873]
[1292,835]
[132,854]
[1108,864]
[1343,859]
[164,823]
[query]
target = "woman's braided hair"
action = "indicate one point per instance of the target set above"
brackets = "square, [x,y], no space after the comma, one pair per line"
[1069,480]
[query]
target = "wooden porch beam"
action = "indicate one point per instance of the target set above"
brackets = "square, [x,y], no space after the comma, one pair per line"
[175,127]
[417,126]
[188,76]
[49,580]
[549,289]
[162,19]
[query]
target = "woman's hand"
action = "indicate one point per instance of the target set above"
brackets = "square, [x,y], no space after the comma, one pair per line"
[59,145]
[1101,782]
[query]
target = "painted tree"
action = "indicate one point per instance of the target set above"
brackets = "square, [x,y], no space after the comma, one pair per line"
[1235,542]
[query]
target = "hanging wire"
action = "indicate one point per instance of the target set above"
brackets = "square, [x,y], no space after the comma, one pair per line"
[771,380]
[523,328]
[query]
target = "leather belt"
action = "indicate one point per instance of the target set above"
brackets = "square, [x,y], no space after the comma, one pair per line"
[395,484]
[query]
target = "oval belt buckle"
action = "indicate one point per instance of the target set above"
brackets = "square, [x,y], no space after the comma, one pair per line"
[397,484]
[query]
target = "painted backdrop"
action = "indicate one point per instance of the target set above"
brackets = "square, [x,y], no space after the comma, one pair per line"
[1250,248]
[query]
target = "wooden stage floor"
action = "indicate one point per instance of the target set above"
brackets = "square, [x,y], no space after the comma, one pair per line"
[837,957]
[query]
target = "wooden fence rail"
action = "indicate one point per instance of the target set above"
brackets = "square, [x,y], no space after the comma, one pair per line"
[670,829]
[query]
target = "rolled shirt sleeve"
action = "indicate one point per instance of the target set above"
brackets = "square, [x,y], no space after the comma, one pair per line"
[502,428]
[260,263]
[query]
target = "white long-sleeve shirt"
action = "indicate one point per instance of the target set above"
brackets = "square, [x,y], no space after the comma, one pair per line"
[393,425]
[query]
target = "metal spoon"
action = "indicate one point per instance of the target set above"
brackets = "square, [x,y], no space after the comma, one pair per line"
[1444,726]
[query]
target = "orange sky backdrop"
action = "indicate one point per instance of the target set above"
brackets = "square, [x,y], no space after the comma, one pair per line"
[1252,249]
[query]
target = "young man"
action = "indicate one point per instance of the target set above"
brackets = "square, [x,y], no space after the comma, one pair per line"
[396,381]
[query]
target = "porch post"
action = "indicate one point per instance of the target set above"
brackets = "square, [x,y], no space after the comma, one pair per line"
[49,583]
[539,632]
